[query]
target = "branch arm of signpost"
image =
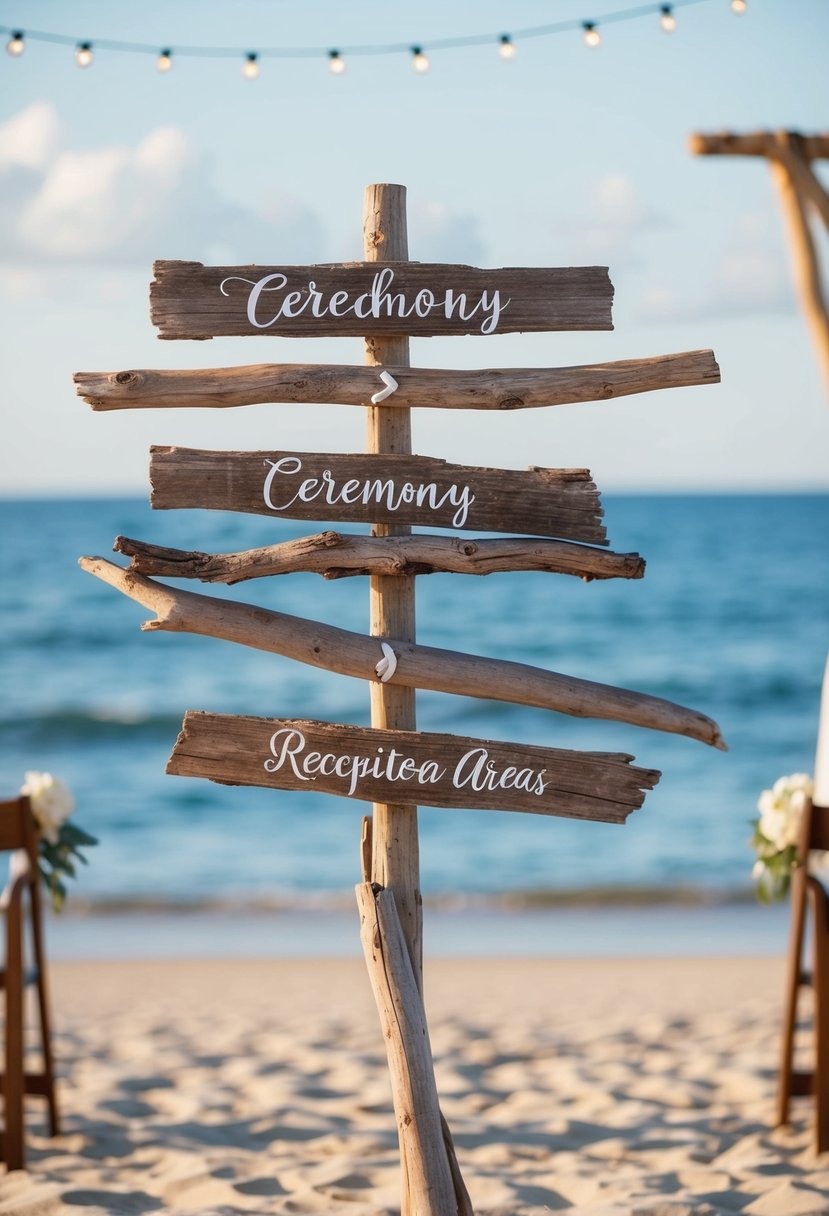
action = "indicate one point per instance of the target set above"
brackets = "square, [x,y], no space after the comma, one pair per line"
[353,654]
[338,555]
[497,389]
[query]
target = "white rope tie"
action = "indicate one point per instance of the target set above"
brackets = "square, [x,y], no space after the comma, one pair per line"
[388,664]
[391,387]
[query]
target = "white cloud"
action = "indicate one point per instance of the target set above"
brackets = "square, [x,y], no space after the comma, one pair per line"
[122,204]
[29,139]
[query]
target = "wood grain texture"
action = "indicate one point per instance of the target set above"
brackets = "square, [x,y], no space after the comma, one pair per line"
[339,555]
[353,654]
[429,1186]
[509,388]
[189,300]
[408,767]
[562,503]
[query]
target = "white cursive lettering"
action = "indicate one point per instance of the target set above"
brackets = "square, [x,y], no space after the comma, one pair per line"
[386,493]
[378,301]
[287,747]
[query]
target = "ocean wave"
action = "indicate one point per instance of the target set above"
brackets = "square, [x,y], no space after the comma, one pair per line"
[328,902]
[84,725]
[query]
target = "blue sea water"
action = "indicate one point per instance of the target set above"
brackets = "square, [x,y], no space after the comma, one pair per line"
[732,618]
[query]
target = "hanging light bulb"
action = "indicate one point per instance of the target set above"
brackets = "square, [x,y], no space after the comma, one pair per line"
[667,20]
[739,7]
[420,62]
[16,45]
[506,47]
[336,63]
[592,37]
[164,61]
[250,68]
[83,54]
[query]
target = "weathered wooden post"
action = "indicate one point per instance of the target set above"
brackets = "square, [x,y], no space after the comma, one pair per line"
[395,861]
[390,764]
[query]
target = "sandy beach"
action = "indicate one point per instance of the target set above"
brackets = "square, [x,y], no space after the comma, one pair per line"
[600,1087]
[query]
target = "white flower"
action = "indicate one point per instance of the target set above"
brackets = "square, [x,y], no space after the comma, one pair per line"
[781,809]
[52,803]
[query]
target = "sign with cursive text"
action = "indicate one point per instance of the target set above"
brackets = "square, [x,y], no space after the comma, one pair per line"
[408,767]
[401,489]
[189,300]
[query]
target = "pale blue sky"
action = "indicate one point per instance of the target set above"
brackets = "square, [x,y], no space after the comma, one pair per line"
[560,157]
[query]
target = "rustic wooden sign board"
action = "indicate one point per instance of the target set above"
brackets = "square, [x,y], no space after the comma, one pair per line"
[409,767]
[415,299]
[388,489]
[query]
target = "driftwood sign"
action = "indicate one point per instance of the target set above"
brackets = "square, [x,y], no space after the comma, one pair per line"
[394,489]
[338,555]
[409,767]
[354,654]
[417,299]
[492,388]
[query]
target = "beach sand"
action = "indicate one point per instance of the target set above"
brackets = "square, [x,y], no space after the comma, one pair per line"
[641,1087]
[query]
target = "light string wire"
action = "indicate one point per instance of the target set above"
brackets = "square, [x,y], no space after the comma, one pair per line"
[310,52]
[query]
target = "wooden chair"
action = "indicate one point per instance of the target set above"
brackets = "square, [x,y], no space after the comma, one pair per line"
[17,832]
[808,893]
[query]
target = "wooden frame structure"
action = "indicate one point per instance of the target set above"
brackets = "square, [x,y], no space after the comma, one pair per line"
[803,198]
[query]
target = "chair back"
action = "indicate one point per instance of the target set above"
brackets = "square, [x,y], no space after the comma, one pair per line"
[20,909]
[815,831]
[17,827]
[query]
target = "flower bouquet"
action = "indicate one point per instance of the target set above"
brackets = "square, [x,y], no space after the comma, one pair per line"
[777,834]
[59,842]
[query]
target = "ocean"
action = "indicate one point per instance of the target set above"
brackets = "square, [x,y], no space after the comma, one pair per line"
[731,618]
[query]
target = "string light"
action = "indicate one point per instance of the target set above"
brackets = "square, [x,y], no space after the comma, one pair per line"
[420,61]
[505,43]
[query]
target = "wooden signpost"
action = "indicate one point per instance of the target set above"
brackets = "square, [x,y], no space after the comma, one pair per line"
[391,764]
[188,300]
[409,768]
[407,489]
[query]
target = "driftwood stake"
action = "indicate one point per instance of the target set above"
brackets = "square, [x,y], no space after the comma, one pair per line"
[353,654]
[428,1182]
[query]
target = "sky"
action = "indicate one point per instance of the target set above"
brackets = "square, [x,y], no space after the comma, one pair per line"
[562,156]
